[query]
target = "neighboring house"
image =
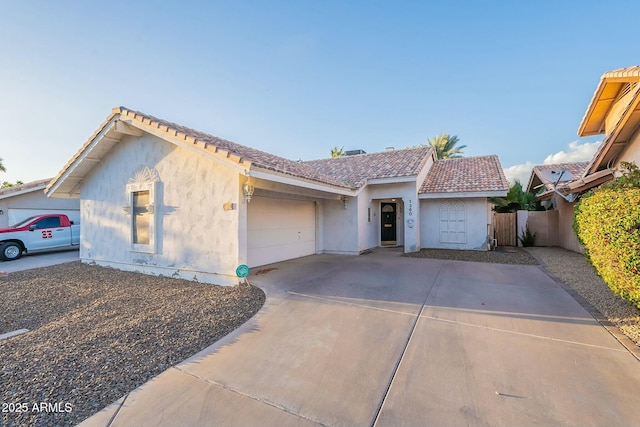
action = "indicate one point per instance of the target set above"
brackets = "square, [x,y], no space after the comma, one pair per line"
[160,198]
[22,201]
[614,111]
[544,182]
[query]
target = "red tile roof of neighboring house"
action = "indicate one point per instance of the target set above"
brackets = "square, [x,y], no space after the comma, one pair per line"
[576,169]
[465,174]
[356,170]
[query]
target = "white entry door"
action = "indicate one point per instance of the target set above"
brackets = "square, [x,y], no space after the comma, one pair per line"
[280,229]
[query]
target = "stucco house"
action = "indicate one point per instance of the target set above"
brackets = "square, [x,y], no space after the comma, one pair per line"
[544,182]
[160,198]
[614,111]
[22,201]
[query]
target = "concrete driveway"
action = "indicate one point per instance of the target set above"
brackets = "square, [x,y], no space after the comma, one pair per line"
[389,341]
[28,262]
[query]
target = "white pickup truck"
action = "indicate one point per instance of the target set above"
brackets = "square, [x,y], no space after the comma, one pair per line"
[38,234]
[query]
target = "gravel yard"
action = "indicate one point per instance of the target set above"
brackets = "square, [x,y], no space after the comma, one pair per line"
[575,271]
[97,334]
[500,256]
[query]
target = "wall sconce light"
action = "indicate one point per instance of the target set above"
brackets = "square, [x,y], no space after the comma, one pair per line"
[344,200]
[247,190]
[1,212]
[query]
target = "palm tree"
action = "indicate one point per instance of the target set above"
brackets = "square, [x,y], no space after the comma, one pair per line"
[2,169]
[445,146]
[337,152]
[517,199]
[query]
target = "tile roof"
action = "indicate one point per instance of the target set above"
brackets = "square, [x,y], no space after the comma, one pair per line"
[465,174]
[256,157]
[33,186]
[576,169]
[628,72]
[356,170]
[347,172]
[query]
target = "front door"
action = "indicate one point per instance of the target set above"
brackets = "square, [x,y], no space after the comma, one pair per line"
[388,219]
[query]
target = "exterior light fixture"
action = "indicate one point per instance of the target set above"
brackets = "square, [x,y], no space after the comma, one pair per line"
[1,212]
[247,190]
[344,200]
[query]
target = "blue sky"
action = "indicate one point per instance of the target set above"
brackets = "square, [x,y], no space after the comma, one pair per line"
[296,78]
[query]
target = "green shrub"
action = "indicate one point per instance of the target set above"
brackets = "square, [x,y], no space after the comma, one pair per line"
[527,238]
[607,222]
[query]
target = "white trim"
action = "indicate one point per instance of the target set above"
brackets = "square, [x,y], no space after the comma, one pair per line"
[174,273]
[462,195]
[391,180]
[25,191]
[269,175]
[51,191]
[151,187]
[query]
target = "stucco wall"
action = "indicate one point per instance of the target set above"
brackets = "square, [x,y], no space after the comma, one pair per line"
[566,236]
[407,226]
[196,238]
[340,226]
[476,224]
[631,151]
[369,224]
[35,200]
[545,226]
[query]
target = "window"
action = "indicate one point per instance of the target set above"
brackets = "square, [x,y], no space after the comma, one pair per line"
[453,222]
[51,222]
[141,209]
[141,217]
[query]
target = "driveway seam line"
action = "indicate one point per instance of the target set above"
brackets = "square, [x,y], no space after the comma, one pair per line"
[257,399]
[351,303]
[489,328]
[404,350]
[115,414]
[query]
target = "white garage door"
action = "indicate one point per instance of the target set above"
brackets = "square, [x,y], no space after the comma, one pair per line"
[280,229]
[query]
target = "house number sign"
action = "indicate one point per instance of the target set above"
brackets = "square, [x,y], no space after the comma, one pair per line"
[410,208]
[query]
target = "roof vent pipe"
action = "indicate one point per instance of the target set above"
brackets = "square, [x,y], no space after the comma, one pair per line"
[390,148]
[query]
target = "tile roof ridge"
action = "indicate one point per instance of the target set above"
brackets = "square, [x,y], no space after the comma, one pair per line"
[258,157]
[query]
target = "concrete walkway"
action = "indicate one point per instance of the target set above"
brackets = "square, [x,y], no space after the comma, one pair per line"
[389,341]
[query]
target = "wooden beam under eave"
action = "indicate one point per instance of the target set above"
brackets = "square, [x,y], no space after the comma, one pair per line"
[126,129]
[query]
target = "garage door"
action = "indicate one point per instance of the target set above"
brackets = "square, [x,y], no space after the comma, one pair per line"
[280,229]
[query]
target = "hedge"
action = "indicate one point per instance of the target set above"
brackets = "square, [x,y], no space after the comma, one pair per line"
[607,222]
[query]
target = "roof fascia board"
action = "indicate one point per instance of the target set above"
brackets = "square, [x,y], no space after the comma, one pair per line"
[53,186]
[24,191]
[579,183]
[270,175]
[611,138]
[222,157]
[391,180]
[422,173]
[591,107]
[463,195]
